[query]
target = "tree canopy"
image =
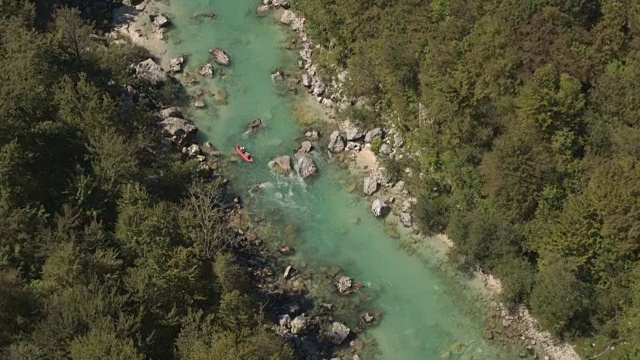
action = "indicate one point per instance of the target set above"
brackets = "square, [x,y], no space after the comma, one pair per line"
[111,247]
[525,115]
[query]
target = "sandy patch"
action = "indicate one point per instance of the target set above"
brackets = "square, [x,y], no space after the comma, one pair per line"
[366,159]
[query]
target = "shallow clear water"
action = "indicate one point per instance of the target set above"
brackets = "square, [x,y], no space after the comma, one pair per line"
[425,308]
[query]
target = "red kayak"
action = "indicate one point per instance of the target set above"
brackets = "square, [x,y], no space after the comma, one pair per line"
[247,159]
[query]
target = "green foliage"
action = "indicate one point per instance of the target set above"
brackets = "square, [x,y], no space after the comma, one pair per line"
[199,339]
[107,245]
[557,295]
[526,117]
[376,144]
[102,342]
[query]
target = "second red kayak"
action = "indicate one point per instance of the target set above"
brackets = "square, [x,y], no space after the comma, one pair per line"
[245,155]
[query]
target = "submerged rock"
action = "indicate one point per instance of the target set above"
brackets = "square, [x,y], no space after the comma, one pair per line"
[206,70]
[220,56]
[379,208]
[285,250]
[370,185]
[262,10]
[277,75]
[339,332]
[336,143]
[253,126]
[199,104]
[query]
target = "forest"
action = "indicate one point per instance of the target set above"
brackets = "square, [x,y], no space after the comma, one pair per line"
[111,247]
[524,120]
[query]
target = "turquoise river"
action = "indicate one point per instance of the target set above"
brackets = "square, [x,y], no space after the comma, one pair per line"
[426,308]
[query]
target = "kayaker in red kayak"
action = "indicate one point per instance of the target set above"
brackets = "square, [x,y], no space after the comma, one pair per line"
[244,153]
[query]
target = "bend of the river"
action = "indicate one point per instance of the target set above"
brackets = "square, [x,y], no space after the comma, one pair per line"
[426,310]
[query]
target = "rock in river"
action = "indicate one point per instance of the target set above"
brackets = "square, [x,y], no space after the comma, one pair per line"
[281,164]
[370,185]
[199,104]
[285,250]
[220,56]
[305,166]
[206,70]
[379,208]
[339,332]
[277,75]
[159,20]
[344,284]
[262,10]
[289,272]
[312,134]
[176,64]
[336,142]
[305,147]
[253,126]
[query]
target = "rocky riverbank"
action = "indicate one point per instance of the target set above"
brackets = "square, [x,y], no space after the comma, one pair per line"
[391,200]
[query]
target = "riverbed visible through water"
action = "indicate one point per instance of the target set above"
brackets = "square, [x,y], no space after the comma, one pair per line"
[427,311]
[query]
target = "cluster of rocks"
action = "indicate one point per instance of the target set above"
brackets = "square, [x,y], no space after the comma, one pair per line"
[180,132]
[303,164]
[354,140]
[520,328]
[309,325]
[329,94]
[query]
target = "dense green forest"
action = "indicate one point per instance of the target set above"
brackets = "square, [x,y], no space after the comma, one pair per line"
[106,245]
[527,117]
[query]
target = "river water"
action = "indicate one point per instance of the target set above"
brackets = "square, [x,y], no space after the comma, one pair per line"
[428,312]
